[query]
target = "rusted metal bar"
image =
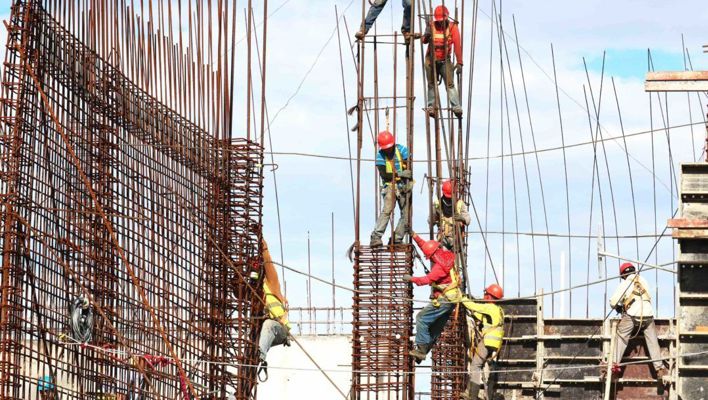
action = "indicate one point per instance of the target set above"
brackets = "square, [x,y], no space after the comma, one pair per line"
[382,326]
[115,188]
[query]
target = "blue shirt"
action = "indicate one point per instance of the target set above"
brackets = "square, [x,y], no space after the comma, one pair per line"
[381,158]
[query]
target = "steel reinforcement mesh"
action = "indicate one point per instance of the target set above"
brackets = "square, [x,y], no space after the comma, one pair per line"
[382,325]
[111,196]
[449,355]
[449,378]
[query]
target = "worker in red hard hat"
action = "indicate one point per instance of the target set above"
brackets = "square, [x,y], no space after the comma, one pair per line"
[445,282]
[487,325]
[396,186]
[373,13]
[447,217]
[633,301]
[443,35]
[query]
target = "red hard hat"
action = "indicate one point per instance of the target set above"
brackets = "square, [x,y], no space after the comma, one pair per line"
[440,14]
[385,140]
[495,291]
[430,247]
[447,188]
[625,267]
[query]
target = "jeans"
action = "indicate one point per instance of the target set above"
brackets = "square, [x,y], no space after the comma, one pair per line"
[626,326]
[403,198]
[431,320]
[376,8]
[443,68]
[273,333]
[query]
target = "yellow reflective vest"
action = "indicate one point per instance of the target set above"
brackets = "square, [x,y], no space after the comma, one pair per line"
[274,307]
[492,318]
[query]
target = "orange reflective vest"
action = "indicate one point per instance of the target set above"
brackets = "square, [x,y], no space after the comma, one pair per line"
[442,42]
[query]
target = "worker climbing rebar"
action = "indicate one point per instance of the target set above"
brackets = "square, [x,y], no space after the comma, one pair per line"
[442,35]
[632,300]
[447,217]
[373,13]
[276,327]
[487,320]
[445,281]
[396,186]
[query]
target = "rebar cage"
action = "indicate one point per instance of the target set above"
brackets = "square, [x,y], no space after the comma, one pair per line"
[113,201]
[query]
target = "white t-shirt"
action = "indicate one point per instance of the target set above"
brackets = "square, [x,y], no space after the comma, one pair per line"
[640,308]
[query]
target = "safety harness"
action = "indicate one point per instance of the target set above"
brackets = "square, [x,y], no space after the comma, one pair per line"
[639,292]
[447,224]
[390,165]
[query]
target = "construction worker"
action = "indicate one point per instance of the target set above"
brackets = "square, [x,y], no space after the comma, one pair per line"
[374,11]
[392,159]
[488,324]
[632,300]
[276,327]
[447,217]
[444,35]
[445,281]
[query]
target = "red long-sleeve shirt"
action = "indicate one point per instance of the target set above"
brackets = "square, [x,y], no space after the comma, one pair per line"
[454,38]
[443,261]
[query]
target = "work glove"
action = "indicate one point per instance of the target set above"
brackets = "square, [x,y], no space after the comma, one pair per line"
[407,174]
[407,278]
[460,218]
[458,68]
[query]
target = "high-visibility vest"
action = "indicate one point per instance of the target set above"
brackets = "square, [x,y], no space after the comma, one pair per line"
[442,42]
[447,224]
[492,327]
[390,164]
[274,307]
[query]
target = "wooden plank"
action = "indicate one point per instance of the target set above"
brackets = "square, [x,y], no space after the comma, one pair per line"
[676,86]
[690,234]
[687,223]
[676,81]
[677,76]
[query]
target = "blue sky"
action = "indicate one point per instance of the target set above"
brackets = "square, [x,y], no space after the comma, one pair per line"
[313,121]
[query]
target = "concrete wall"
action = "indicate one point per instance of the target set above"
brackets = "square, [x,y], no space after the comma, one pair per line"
[330,352]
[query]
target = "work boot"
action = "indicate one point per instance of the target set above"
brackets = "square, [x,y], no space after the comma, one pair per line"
[457,111]
[361,33]
[472,392]
[420,352]
[376,242]
[430,111]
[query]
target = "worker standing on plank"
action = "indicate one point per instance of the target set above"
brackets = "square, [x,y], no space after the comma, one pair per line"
[445,281]
[447,217]
[444,35]
[374,11]
[488,324]
[632,300]
[392,159]
[276,327]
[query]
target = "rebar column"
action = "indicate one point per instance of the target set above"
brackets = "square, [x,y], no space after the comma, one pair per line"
[382,323]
